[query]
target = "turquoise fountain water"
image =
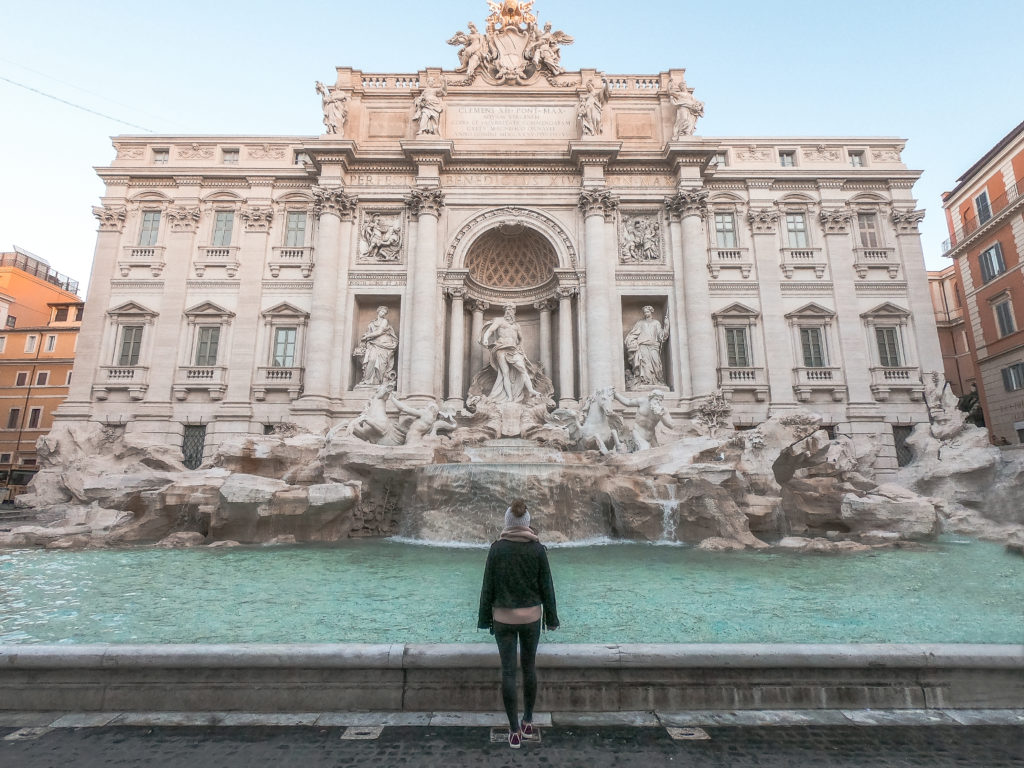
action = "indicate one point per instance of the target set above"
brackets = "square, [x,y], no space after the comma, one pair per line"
[387,591]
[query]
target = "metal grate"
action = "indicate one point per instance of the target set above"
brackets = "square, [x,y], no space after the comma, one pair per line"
[904,453]
[193,444]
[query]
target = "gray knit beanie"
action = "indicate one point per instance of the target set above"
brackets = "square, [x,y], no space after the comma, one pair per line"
[511,521]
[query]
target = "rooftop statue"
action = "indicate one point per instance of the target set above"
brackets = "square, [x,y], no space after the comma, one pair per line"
[688,109]
[513,49]
[335,106]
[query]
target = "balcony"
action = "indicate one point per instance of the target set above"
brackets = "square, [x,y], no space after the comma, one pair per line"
[907,379]
[729,258]
[218,256]
[145,256]
[289,256]
[808,380]
[875,258]
[131,378]
[803,258]
[209,378]
[754,380]
[996,207]
[949,317]
[277,380]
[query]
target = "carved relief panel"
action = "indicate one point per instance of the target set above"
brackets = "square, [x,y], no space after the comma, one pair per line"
[381,236]
[641,238]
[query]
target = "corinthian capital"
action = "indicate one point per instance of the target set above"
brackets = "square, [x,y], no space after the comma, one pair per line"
[689,202]
[425,201]
[598,202]
[907,220]
[183,219]
[111,218]
[835,221]
[763,221]
[257,219]
[333,200]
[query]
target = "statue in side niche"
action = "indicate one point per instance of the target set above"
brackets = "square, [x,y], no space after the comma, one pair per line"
[649,414]
[688,109]
[643,351]
[377,350]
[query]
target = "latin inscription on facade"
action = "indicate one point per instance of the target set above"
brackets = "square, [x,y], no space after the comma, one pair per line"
[511,122]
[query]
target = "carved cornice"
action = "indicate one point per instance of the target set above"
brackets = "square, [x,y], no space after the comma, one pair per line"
[835,221]
[111,218]
[907,220]
[260,181]
[689,202]
[425,201]
[183,219]
[335,201]
[599,202]
[763,221]
[257,219]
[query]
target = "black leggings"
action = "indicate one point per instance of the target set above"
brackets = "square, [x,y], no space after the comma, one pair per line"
[528,636]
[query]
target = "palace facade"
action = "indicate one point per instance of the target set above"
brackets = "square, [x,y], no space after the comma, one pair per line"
[240,281]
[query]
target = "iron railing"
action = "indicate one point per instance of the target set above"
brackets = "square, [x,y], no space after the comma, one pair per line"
[971,225]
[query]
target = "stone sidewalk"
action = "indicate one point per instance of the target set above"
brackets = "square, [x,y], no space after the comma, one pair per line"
[790,739]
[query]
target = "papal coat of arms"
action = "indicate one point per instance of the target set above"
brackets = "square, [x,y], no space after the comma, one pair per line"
[513,49]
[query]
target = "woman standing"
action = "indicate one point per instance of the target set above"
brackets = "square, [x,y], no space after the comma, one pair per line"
[517,595]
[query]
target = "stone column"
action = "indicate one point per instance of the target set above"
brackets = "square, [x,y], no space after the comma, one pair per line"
[566,353]
[692,208]
[456,349]
[425,205]
[476,352]
[835,225]
[341,353]
[679,337]
[926,335]
[181,223]
[88,358]
[545,306]
[778,345]
[330,205]
[598,206]
[242,362]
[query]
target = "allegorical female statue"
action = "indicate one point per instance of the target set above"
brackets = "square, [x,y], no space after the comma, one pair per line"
[377,349]
[643,351]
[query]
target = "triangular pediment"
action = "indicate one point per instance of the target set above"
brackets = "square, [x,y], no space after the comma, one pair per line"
[285,310]
[811,310]
[888,309]
[737,310]
[132,308]
[208,309]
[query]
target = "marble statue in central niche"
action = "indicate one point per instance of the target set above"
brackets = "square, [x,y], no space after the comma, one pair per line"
[503,338]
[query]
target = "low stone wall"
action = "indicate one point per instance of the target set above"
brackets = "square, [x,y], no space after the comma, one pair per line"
[574,678]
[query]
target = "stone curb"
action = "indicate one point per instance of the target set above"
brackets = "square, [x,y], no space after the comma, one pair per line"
[747,719]
[475,656]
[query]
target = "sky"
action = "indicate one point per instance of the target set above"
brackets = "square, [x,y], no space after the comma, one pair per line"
[933,72]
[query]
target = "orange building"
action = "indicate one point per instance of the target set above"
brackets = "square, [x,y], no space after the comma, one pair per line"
[947,299]
[985,216]
[40,314]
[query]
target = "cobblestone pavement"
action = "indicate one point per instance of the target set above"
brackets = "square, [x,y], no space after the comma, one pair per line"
[935,746]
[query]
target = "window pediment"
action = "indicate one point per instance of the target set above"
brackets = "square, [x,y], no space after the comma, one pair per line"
[812,311]
[207,310]
[285,311]
[736,311]
[132,309]
[888,310]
